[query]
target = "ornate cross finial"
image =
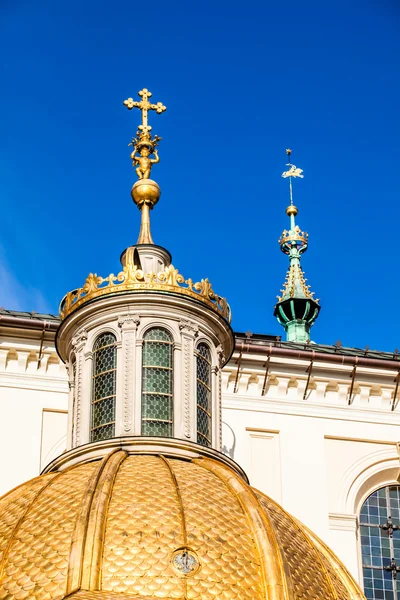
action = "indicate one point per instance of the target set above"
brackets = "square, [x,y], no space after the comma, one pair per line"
[144,105]
[144,144]
[145,192]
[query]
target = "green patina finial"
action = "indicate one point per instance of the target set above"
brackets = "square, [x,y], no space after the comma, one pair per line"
[296,309]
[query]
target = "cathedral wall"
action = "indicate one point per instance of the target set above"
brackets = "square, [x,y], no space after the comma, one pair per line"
[33,401]
[319,456]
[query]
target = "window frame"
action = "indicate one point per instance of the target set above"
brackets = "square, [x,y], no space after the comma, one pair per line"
[104,399]
[202,438]
[145,394]
[383,549]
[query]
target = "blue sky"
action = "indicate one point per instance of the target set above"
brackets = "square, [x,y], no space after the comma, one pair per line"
[242,82]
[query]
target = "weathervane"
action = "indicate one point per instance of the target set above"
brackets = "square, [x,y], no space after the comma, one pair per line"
[292,172]
[144,145]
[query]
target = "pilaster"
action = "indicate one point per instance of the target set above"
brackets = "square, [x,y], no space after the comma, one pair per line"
[216,408]
[137,383]
[127,397]
[83,416]
[71,372]
[185,423]
[78,346]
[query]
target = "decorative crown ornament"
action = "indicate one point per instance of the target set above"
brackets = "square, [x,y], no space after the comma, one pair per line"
[145,139]
[292,237]
[133,279]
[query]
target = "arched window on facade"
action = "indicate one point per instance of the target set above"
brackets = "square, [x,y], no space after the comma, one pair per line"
[203,374]
[380,544]
[102,422]
[157,383]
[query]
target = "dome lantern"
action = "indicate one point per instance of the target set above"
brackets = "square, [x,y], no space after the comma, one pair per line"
[144,348]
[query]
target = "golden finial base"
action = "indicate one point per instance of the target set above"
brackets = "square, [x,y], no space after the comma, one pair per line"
[145,194]
[291,210]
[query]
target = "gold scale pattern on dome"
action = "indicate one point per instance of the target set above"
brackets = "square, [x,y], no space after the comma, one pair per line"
[111,529]
[145,194]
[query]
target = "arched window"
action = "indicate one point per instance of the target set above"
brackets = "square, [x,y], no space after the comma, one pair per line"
[103,388]
[203,374]
[380,543]
[157,384]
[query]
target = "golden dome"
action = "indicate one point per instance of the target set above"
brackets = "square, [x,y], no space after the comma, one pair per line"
[149,527]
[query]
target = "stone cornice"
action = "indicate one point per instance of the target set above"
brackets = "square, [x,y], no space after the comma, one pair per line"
[140,445]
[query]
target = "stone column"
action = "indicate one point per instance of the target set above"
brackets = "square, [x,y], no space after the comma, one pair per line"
[126,369]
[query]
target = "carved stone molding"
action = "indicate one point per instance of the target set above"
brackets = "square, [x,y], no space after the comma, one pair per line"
[187,374]
[129,368]
[221,356]
[129,322]
[78,401]
[188,327]
[219,400]
[79,339]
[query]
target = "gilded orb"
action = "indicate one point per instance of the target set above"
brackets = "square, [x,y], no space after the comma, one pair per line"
[146,191]
[291,210]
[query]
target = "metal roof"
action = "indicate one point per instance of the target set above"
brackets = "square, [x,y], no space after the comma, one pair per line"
[254,338]
[29,315]
[338,349]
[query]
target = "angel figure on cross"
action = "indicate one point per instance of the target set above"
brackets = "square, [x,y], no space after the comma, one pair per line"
[144,145]
[144,161]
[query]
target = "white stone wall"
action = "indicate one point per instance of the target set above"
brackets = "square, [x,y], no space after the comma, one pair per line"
[319,456]
[33,405]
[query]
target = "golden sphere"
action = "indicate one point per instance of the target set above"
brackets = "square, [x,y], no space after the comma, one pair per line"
[145,191]
[291,210]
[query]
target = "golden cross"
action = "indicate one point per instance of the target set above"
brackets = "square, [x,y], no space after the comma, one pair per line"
[144,105]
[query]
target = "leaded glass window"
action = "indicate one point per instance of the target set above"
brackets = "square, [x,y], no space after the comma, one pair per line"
[203,374]
[380,544]
[103,388]
[157,383]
